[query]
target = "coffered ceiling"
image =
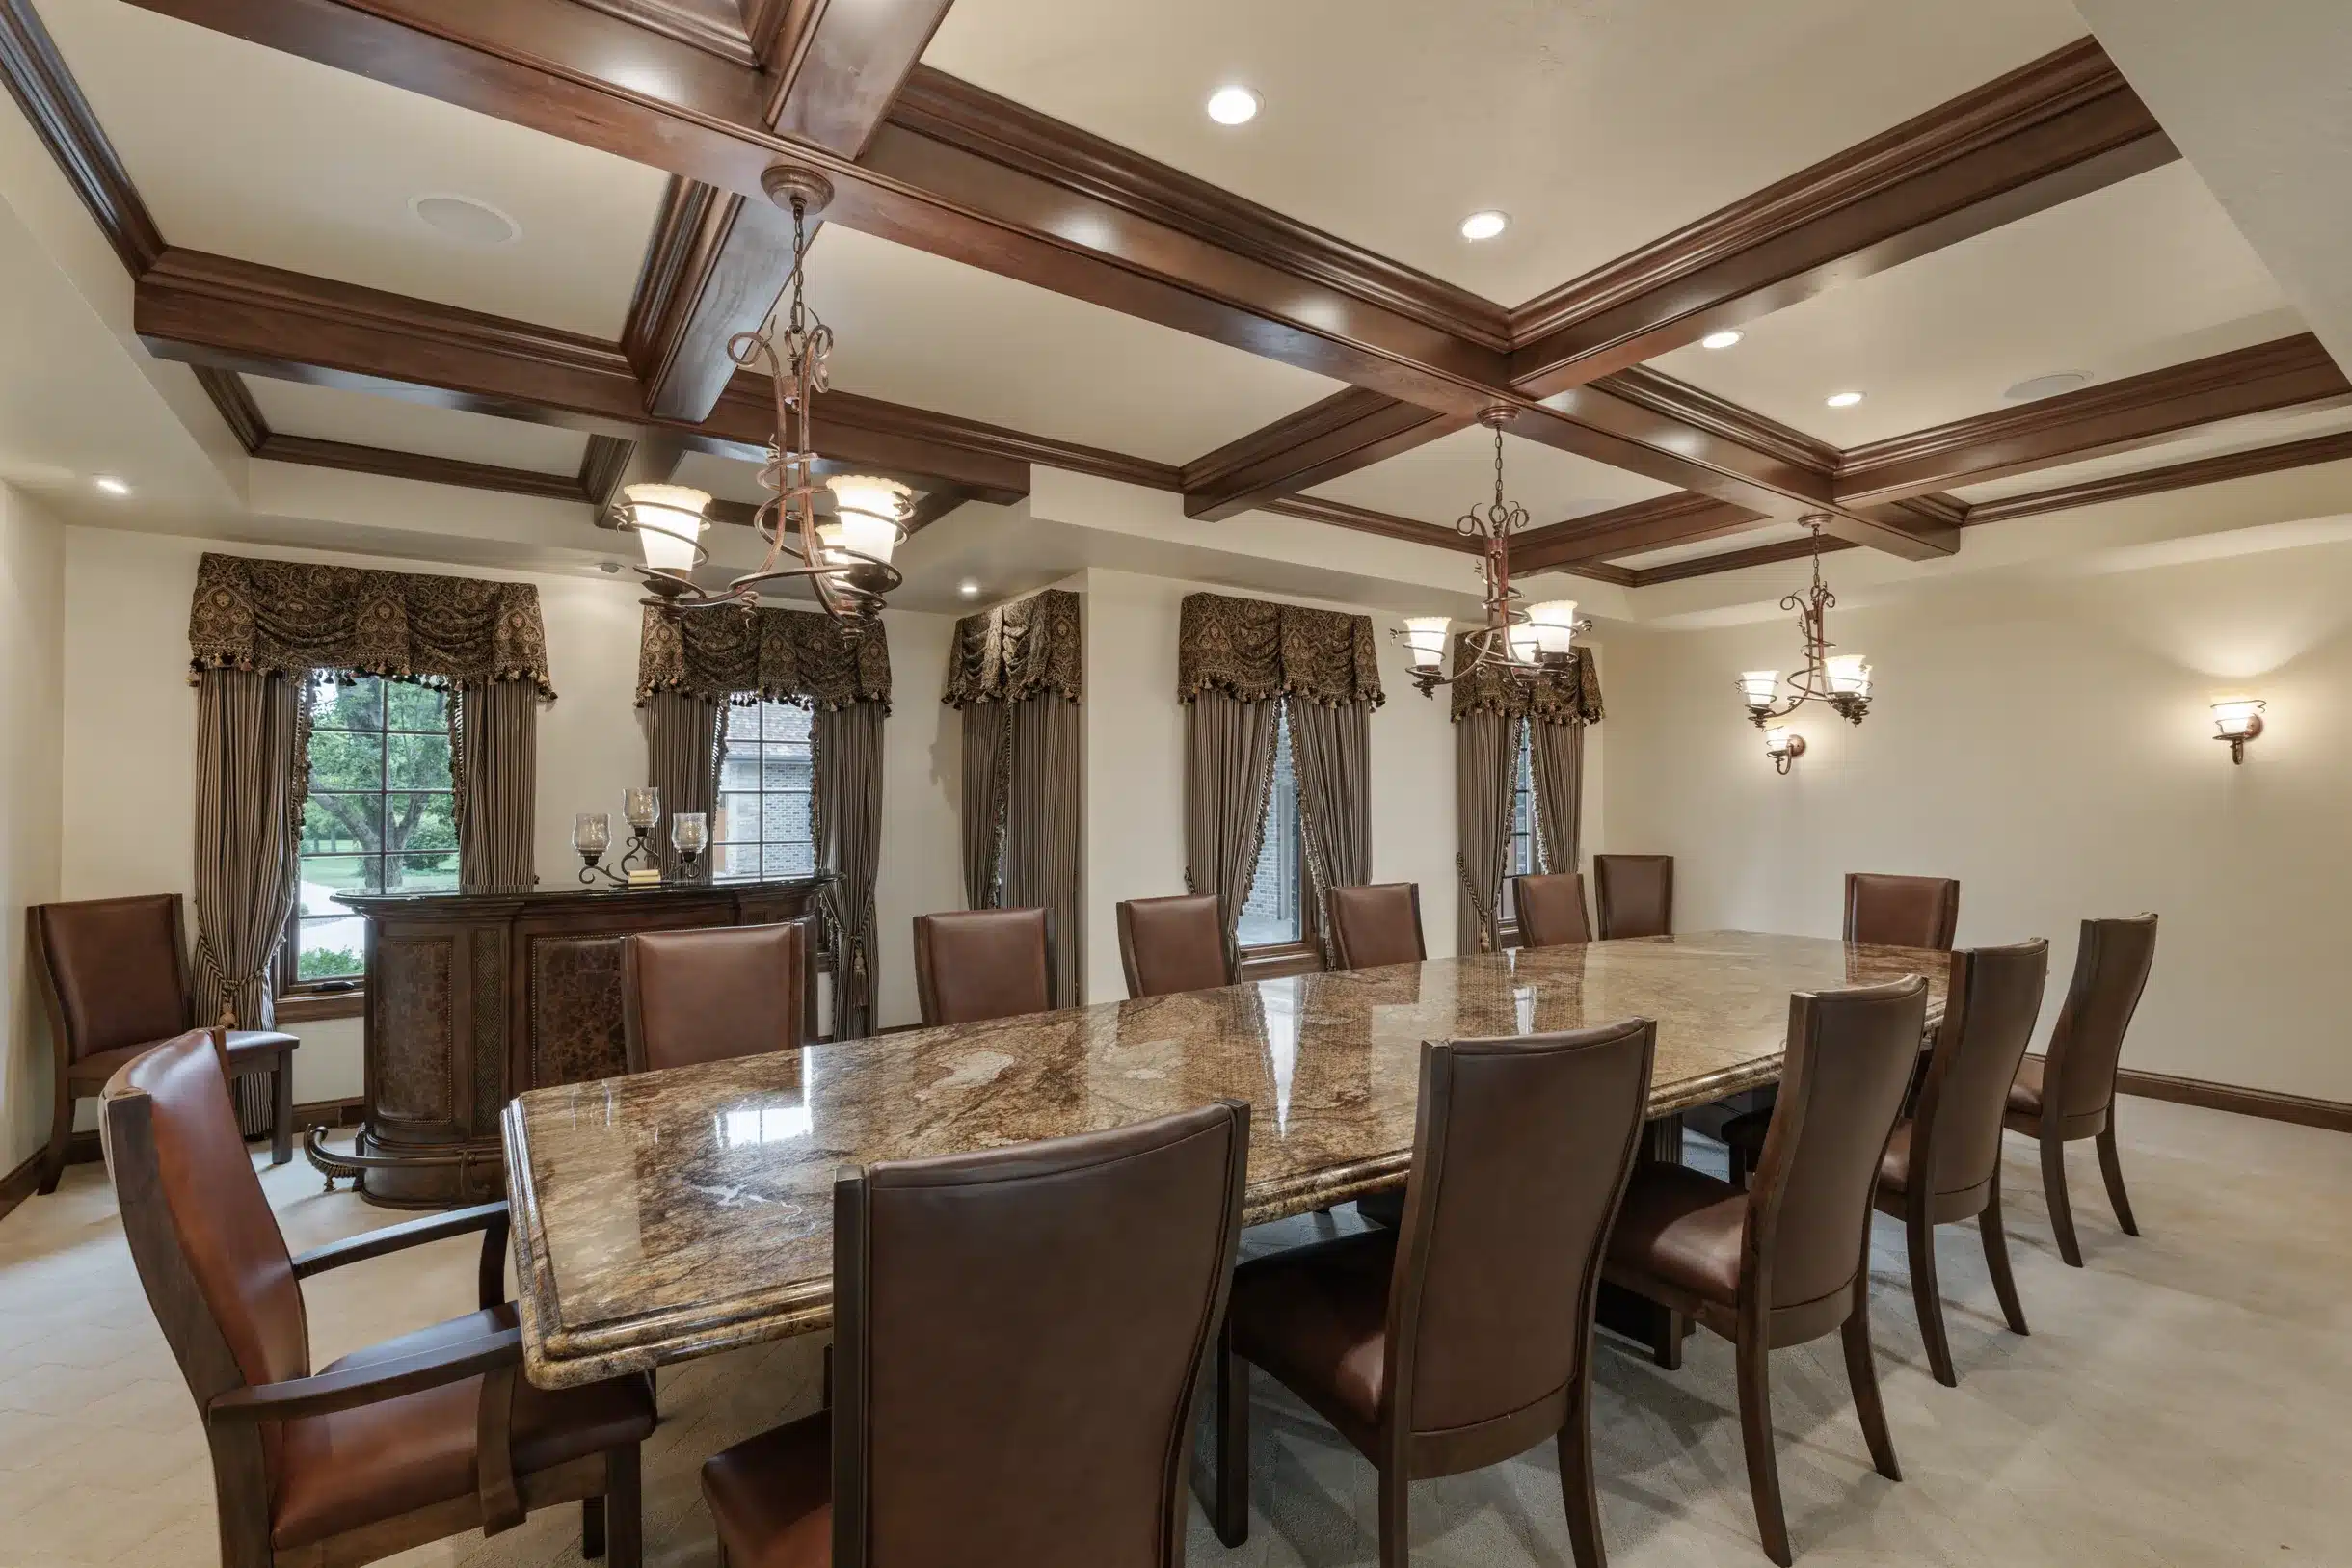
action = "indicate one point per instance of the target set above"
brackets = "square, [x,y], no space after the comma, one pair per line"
[1438,483]
[360,418]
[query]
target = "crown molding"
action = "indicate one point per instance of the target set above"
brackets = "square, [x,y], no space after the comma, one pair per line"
[1364,519]
[2212,471]
[52,101]
[1681,518]
[1761,555]
[311,452]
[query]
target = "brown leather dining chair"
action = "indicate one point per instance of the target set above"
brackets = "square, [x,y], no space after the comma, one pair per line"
[1375,924]
[980,963]
[1633,895]
[1169,944]
[690,997]
[1018,1337]
[1551,910]
[115,974]
[2069,1094]
[1943,1164]
[1787,1260]
[1902,912]
[1464,1336]
[422,1436]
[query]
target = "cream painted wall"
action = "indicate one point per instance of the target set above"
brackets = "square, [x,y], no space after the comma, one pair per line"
[129,732]
[32,719]
[2046,741]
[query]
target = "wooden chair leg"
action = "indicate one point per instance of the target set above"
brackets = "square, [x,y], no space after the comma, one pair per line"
[1395,1518]
[592,1528]
[2111,1166]
[624,1508]
[1576,1489]
[282,1095]
[1231,1515]
[1928,1297]
[1666,1339]
[61,1134]
[1753,1360]
[2062,1213]
[1735,1165]
[1996,1257]
[1862,1372]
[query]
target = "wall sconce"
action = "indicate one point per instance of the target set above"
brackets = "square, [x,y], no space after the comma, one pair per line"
[1783,746]
[2237,720]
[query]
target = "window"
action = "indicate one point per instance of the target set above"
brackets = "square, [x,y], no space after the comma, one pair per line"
[381,817]
[765,774]
[1278,912]
[1522,859]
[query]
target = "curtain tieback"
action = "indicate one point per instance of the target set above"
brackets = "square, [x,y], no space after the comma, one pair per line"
[224,989]
[1478,905]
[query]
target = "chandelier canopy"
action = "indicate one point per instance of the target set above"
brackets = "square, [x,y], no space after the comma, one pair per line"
[1525,642]
[1842,680]
[847,561]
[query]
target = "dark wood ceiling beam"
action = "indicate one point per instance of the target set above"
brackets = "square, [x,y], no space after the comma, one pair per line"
[1365,520]
[2117,416]
[2212,471]
[2052,130]
[1681,518]
[605,469]
[311,452]
[1344,433]
[53,103]
[1761,555]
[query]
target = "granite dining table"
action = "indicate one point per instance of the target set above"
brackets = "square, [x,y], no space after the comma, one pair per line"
[669,1216]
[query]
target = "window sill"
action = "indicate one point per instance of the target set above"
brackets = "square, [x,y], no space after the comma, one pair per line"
[1276,963]
[315,1006]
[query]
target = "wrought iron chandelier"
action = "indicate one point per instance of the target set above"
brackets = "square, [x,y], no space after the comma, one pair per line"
[847,561]
[1840,679]
[1525,642]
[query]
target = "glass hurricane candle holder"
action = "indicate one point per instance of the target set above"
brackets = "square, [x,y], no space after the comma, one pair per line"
[689,836]
[641,806]
[592,837]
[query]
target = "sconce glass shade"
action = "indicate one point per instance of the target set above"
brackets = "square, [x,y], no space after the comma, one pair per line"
[1758,687]
[590,832]
[867,513]
[1425,635]
[669,521]
[1554,623]
[2237,718]
[641,806]
[1526,644]
[1777,741]
[1849,676]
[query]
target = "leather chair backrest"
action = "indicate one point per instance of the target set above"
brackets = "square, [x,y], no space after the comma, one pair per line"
[1521,1154]
[1018,1337]
[1851,1054]
[690,997]
[974,964]
[2111,965]
[1633,895]
[1379,923]
[1169,944]
[1551,910]
[1902,912]
[118,970]
[1990,1008]
[206,1205]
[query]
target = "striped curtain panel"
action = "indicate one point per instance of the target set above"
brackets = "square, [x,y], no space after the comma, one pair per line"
[681,757]
[1558,752]
[846,819]
[1485,751]
[1042,828]
[494,757]
[1331,750]
[1228,771]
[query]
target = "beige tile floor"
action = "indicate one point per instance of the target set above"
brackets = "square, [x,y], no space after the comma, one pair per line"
[2186,1400]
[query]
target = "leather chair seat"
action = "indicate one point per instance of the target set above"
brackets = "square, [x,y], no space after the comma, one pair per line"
[1318,1320]
[773,1496]
[350,1468]
[246,1047]
[1682,1228]
[2025,1089]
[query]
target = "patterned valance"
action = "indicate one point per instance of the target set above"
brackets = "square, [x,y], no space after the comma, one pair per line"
[1005,654]
[286,617]
[1569,696]
[1257,649]
[763,655]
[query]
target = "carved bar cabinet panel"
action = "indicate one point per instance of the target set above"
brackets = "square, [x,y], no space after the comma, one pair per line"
[475,997]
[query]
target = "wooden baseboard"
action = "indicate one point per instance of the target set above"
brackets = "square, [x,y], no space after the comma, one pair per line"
[2335,1115]
[83,1149]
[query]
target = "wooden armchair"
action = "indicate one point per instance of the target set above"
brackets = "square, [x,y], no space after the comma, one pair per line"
[407,1442]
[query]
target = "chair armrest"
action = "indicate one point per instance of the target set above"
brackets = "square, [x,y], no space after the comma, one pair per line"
[415,1232]
[367,1385]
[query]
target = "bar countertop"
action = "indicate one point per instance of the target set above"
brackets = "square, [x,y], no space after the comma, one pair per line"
[674,1215]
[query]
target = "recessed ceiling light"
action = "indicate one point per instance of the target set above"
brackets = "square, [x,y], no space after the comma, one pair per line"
[1719,341]
[1484,225]
[111,484]
[1232,106]
[463,218]
[1844,400]
[2049,386]
[968,588]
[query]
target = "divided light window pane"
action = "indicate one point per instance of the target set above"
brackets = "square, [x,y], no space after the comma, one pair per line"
[1522,858]
[1270,913]
[761,827]
[381,817]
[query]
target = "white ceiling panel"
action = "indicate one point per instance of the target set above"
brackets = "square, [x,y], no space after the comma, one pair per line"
[333,414]
[2213,440]
[914,328]
[1597,126]
[255,154]
[1763,533]
[1441,479]
[2137,277]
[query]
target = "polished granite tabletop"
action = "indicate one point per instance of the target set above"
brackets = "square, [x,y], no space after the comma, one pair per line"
[672,1214]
